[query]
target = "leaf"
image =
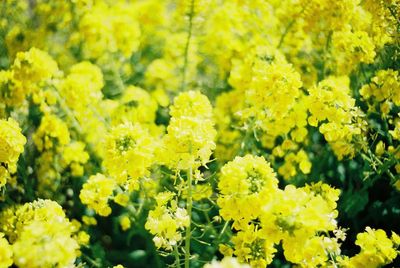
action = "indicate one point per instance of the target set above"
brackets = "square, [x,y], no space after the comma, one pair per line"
[354,202]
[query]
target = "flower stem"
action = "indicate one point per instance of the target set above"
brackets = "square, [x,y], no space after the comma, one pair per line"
[189,211]
[223,230]
[189,36]
[177,260]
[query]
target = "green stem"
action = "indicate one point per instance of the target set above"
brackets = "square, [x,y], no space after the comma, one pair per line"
[69,113]
[94,263]
[287,29]
[176,254]
[189,211]
[324,55]
[185,60]
[223,230]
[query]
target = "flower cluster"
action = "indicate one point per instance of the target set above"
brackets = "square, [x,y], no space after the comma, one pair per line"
[376,249]
[166,221]
[37,229]
[129,154]
[100,28]
[190,134]
[277,215]
[333,109]
[12,145]
[96,192]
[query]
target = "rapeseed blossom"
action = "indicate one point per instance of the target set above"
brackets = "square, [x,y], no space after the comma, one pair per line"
[191,133]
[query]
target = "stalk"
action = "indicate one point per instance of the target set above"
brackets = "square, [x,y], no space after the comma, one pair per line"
[189,37]
[189,211]
[176,254]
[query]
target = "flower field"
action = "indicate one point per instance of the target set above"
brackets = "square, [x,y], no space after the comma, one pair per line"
[199,133]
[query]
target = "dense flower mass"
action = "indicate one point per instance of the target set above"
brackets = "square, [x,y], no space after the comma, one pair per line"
[245,182]
[129,153]
[199,133]
[11,146]
[166,221]
[40,235]
[96,192]
[190,134]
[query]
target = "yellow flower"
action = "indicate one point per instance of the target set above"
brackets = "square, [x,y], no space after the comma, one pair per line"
[11,146]
[6,252]
[100,30]
[384,89]
[227,262]
[82,86]
[190,138]
[89,220]
[380,148]
[351,48]
[341,122]
[33,66]
[167,221]
[135,105]
[11,91]
[83,238]
[74,155]
[122,199]
[52,132]
[43,230]
[251,246]
[125,223]
[245,182]
[298,213]
[376,249]
[96,192]
[308,253]
[129,154]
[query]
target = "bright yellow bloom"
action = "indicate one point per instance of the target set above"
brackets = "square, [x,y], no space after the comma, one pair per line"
[100,30]
[190,138]
[11,142]
[122,199]
[83,238]
[311,252]
[135,105]
[299,214]
[6,252]
[52,133]
[245,182]
[376,250]
[89,220]
[11,91]
[82,86]
[384,89]
[226,117]
[129,154]
[125,223]
[11,146]
[251,246]
[33,66]
[96,192]
[167,221]
[41,229]
[351,48]
[75,156]
[227,262]
[332,107]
